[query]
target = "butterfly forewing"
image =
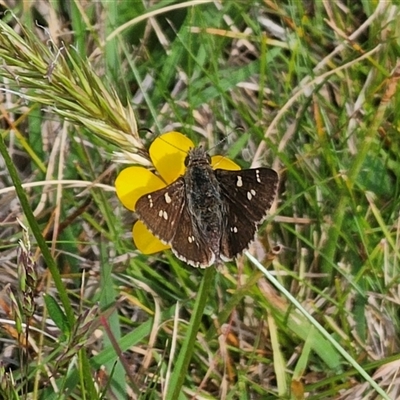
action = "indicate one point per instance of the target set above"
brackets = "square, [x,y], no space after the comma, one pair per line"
[161,210]
[248,195]
[165,214]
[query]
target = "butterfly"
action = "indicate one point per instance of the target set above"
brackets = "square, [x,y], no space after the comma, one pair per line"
[208,216]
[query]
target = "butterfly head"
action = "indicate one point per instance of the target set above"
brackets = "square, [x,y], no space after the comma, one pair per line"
[197,156]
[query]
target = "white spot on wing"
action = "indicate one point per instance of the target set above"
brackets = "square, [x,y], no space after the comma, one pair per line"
[258,176]
[239,182]
[167,198]
[163,214]
[150,200]
[251,194]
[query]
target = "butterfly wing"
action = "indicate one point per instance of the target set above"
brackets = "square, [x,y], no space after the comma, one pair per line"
[189,246]
[248,195]
[165,214]
[160,210]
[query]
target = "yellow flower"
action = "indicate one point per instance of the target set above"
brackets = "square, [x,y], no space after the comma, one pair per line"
[167,153]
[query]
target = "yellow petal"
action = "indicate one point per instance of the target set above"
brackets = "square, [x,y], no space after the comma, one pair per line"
[168,153]
[133,182]
[145,241]
[221,162]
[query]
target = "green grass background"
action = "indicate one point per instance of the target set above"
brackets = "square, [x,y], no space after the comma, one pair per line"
[313,88]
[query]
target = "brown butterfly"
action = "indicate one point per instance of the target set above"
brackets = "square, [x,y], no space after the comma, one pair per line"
[209,215]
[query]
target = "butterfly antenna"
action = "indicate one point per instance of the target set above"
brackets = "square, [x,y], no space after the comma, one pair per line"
[146,130]
[237,128]
[172,145]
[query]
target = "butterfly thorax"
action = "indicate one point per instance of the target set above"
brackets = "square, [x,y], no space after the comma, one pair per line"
[204,198]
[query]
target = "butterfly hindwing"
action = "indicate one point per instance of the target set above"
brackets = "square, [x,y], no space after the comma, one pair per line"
[189,246]
[248,195]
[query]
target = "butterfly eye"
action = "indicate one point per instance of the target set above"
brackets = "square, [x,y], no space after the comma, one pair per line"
[186,161]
